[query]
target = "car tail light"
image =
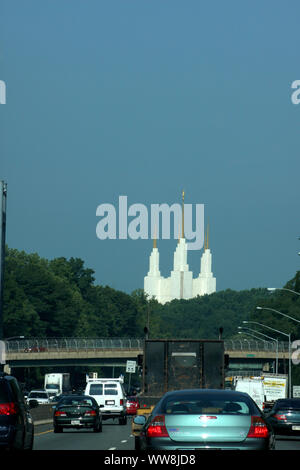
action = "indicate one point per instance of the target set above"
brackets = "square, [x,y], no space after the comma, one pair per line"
[90,413]
[60,413]
[258,428]
[7,409]
[157,427]
[121,402]
[280,417]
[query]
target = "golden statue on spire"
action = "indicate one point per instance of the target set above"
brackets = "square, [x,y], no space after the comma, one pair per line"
[155,239]
[206,238]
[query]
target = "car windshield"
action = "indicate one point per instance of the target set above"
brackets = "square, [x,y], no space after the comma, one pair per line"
[38,395]
[52,386]
[215,404]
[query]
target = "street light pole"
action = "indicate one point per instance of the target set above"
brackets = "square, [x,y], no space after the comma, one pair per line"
[270,337]
[277,311]
[272,289]
[3,192]
[289,336]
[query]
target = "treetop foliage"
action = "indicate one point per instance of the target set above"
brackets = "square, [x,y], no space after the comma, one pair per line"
[59,298]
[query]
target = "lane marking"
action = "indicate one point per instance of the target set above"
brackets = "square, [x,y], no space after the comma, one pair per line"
[44,432]
[112,448]
[124,441]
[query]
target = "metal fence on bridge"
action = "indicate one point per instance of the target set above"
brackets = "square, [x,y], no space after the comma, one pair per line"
[77,344]
[71,344]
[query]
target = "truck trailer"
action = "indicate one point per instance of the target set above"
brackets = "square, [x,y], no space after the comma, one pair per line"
[57,383]
[275,387]
[177,364]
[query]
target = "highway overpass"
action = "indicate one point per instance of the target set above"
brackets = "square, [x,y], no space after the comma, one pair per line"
[114,352]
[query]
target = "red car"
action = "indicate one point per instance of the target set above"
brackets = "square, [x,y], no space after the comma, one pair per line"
[36,349]
[132,405]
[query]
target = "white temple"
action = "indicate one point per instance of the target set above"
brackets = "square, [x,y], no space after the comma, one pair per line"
[181,284]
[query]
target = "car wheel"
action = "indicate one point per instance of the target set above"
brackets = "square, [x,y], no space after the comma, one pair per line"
[58,429]
[123,420]
[30,447]
[97,427]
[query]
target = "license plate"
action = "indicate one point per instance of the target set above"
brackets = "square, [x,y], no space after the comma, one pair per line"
[296,428]
[110,402]
[75,421]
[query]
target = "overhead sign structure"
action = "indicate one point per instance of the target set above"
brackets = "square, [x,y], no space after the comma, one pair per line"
[130,367]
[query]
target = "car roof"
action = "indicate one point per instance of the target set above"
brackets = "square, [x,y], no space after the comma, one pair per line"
[291,401]
[207,392]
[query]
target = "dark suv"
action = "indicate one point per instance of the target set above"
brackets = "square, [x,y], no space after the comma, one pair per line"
[16,425]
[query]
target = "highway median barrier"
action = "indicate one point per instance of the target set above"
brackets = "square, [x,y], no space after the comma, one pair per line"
[42,414]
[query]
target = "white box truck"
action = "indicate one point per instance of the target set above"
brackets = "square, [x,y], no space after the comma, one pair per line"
[253,386]
[275,387]
[57,384]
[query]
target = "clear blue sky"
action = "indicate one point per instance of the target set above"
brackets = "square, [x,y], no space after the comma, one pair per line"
[144,99]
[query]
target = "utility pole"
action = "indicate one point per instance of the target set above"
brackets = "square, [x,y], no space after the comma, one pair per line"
[3,194]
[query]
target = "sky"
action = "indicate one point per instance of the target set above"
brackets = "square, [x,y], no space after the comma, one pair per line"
[144,99]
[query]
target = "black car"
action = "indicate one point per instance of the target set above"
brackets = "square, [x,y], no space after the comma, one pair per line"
[284,417]
[57,398]
[77,411]
[16,424]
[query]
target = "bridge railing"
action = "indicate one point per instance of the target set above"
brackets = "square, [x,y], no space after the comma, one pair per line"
[71,344]
[79,344]
[255,345]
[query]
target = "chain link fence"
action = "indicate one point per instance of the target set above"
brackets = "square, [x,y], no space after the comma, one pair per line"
[79,344]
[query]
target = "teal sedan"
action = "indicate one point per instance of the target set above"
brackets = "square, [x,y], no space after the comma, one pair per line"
[205,419]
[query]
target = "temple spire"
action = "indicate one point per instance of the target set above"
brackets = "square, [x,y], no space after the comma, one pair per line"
[207,240]
[182,223]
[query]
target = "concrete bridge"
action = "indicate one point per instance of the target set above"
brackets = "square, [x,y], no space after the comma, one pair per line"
[114,352]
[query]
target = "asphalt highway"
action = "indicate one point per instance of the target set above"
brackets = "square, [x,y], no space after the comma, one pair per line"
[112,437]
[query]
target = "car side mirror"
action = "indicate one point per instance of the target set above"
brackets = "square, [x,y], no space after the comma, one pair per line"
[140,420]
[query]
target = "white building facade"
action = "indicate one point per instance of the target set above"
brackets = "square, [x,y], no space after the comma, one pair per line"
[180,284]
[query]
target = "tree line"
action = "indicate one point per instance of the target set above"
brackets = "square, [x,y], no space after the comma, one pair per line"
[59,298]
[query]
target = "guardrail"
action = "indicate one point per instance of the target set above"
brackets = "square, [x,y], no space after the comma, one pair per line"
[79,344]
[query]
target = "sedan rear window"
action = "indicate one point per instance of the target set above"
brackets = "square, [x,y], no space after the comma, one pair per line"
[76,402]
[287,404]
[214,405]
